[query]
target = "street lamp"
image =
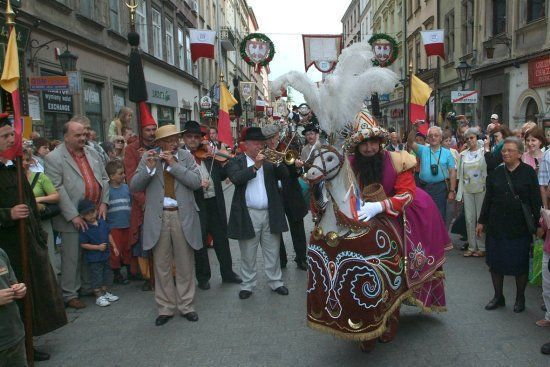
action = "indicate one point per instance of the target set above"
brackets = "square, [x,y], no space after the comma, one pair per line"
[463,71]
[68,61]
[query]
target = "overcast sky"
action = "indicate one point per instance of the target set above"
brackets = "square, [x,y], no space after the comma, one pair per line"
[284,22]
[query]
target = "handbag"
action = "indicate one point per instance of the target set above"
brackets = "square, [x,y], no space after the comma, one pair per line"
[529,219]
[48,210]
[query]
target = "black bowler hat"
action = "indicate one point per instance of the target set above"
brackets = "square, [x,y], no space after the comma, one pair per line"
[192,127]
[310,127]
[254,133]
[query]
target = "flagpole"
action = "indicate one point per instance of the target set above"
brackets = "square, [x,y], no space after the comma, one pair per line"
[24,246]
[406,79]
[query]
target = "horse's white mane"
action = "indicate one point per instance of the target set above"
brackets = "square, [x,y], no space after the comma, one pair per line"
[339,98]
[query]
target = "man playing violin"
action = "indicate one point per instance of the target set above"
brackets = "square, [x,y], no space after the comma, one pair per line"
[295,206]
[211,202]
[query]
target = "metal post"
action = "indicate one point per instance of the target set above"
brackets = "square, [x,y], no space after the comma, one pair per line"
[406,78]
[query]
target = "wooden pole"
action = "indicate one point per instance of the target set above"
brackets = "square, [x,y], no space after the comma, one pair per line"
[23,244]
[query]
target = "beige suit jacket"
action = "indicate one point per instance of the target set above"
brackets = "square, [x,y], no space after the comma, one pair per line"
[64,173]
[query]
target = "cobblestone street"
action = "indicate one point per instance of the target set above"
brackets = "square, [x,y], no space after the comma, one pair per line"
[270,330]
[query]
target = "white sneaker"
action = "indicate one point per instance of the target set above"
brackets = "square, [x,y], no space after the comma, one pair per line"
[110,297]
[102,301]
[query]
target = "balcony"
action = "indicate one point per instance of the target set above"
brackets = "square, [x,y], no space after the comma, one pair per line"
[227,39]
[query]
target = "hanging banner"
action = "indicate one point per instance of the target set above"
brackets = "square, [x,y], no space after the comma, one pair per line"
[385,49]
[322,51]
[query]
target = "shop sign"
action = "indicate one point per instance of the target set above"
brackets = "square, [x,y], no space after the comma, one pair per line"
[50,82]
[463,96]
[206,103]
[57,101]
[160,95]
[384,97]
[539,72]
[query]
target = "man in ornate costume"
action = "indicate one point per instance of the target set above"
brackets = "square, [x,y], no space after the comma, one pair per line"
[401,263]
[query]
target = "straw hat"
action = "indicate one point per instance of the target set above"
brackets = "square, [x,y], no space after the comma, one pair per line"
[166,131]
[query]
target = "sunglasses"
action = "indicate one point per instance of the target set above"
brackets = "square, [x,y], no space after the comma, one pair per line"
[119,141]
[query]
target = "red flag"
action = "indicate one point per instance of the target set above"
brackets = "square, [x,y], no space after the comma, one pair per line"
[202,43]
[10,82]
[434,43]
[224,122]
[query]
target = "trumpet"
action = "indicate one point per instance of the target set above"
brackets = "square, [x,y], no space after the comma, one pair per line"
[275,157]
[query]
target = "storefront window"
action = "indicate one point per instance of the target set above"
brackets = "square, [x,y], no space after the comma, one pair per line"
[93,107]
[53,125]
[119,99]
[165,115]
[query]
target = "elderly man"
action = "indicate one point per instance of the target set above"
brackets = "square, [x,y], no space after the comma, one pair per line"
[88,134]
[132,156]
[78,173]
[437,165]
[295,206]
[395,143]
[171,226]
[48,312]
[257,212]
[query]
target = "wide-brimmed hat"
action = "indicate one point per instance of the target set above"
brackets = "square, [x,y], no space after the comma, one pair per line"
[270,131]
[254,133]
[364,127]
[192,127]
[166,131]
[310,127]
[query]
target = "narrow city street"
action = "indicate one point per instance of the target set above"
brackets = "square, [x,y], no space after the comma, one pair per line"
[270,330]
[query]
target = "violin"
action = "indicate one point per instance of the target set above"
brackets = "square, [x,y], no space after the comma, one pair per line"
[221,155]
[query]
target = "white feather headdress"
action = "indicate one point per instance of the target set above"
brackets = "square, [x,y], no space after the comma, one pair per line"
[340,97]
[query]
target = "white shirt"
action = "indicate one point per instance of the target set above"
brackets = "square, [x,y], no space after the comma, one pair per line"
[256,194]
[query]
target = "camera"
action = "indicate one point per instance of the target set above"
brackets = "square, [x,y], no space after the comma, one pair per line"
[434,169]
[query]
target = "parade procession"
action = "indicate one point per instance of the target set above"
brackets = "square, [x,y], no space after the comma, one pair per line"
[255,183]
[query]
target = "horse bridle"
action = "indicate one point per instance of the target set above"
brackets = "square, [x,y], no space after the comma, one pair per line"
[323,169]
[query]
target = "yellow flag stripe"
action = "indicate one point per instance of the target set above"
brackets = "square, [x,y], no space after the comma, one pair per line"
[226,98]
[420,91]
[10,75]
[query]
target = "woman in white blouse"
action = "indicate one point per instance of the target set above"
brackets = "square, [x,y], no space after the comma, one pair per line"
[472,173]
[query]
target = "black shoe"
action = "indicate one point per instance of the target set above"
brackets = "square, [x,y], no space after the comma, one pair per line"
[146,286]
[204,285]
[545,349]
[162,319]
[235,279]
[495,303]
[543,307]
[39,356]
[119,279]
[282,290]
[301,264]
[244,294]
[519,306]
[191,316]
[465,247]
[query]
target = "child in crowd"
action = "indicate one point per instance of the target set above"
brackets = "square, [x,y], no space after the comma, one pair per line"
[96,240]
[12,332]
[118,218]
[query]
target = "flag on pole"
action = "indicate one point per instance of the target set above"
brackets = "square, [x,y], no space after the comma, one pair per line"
[202,43]
[10,83]
[434,43]
[420,94]
[224,123]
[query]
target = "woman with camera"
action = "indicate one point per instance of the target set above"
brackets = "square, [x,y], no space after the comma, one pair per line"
[472,173]
[510,216]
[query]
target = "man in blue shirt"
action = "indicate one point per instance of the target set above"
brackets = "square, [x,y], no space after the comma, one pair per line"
[437,168]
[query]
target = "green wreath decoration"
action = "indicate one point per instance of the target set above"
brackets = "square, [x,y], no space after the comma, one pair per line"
[262,37]
[395,47]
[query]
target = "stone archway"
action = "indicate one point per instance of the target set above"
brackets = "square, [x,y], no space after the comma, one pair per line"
[531,110]
[528,106]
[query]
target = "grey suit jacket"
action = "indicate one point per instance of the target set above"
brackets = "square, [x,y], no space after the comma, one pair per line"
[187,179]
[62,169]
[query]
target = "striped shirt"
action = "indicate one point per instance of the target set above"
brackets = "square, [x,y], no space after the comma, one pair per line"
[118,214]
